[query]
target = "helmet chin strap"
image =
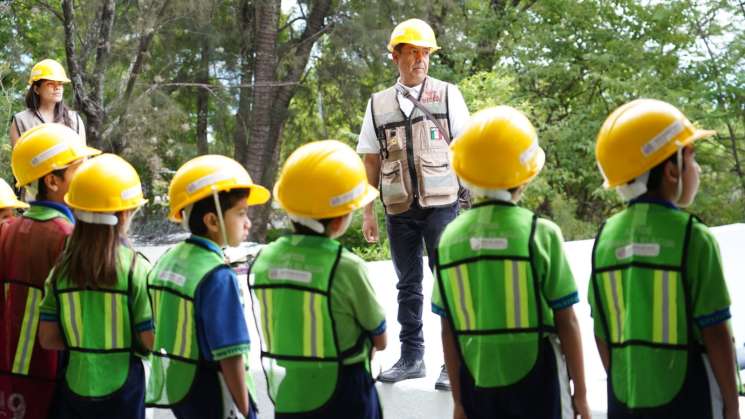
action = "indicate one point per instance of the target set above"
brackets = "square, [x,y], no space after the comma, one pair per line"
[220,218]
[679,183]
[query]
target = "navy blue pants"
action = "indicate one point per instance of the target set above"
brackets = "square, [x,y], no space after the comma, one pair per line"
[355,397]
[693,400]
[126,403]
[204,400]
[406,234]
[538,395]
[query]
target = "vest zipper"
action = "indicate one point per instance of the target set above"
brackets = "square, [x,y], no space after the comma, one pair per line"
[410,158]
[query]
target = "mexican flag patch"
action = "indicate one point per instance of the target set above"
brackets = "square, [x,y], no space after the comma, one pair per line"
[434,133]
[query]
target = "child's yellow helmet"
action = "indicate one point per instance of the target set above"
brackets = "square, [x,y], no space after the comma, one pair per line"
[106,183]
[638,136]
[202,176]
[8,198]
[44,149]
[323,179]
[497,150]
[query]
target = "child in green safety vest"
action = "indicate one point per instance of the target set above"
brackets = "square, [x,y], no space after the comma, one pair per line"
[9,202]
[657,292]
[95,305]
[318,315]
[199,367]
[44,161]
[503,286]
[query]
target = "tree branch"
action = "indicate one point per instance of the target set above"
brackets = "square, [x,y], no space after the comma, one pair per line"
[52,10]
[145,38]
[290,22]
[73,63]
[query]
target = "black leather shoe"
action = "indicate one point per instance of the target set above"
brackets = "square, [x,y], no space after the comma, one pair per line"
[443,381]
[403,369]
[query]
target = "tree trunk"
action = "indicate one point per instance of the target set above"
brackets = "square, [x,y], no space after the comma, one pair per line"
[272,95]
[89,86]
[203,98]
[90,102]
[261,146]
[243,116]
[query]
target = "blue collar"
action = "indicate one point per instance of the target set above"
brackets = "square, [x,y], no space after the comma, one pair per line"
[648,200]
[58,206]
[205,243]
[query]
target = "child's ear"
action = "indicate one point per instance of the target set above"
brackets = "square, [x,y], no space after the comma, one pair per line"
[211,222]
[670,172]
[51,181]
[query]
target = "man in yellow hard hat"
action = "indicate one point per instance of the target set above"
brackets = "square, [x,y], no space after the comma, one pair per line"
[404,139]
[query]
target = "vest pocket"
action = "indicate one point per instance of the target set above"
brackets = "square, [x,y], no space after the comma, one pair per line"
[437,177]
[392,185]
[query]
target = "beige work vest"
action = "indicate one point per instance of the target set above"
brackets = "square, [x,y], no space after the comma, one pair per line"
[25,120]
[415,155]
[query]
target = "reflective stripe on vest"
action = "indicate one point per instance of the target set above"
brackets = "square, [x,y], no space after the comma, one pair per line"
[72,320]
[313,326]
[292,279]
[642,302]
[491,293]
[516,293]
[27,338]
[98,328]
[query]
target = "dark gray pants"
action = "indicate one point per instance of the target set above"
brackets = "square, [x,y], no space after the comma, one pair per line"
[407,232]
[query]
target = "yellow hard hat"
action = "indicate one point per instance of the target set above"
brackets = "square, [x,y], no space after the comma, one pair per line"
[638,136]
[48,70]
[323,179]
[106,183]
[202,176]
[415,32]
[8,198]
[44,149]
[497,150]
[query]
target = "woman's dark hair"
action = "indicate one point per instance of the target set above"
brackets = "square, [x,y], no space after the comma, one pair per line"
[61,111]
[227,199]
[90,258]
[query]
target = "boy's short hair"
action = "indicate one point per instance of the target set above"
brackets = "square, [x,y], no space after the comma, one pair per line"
[41,193]
[656,174]
[227,199]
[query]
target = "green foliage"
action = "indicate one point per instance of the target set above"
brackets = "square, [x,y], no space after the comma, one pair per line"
[352,238]
[566,64]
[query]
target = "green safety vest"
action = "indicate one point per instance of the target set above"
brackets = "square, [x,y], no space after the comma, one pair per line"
[491,293]
[292,280]
[98,329]
[642,300]
[172,286]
